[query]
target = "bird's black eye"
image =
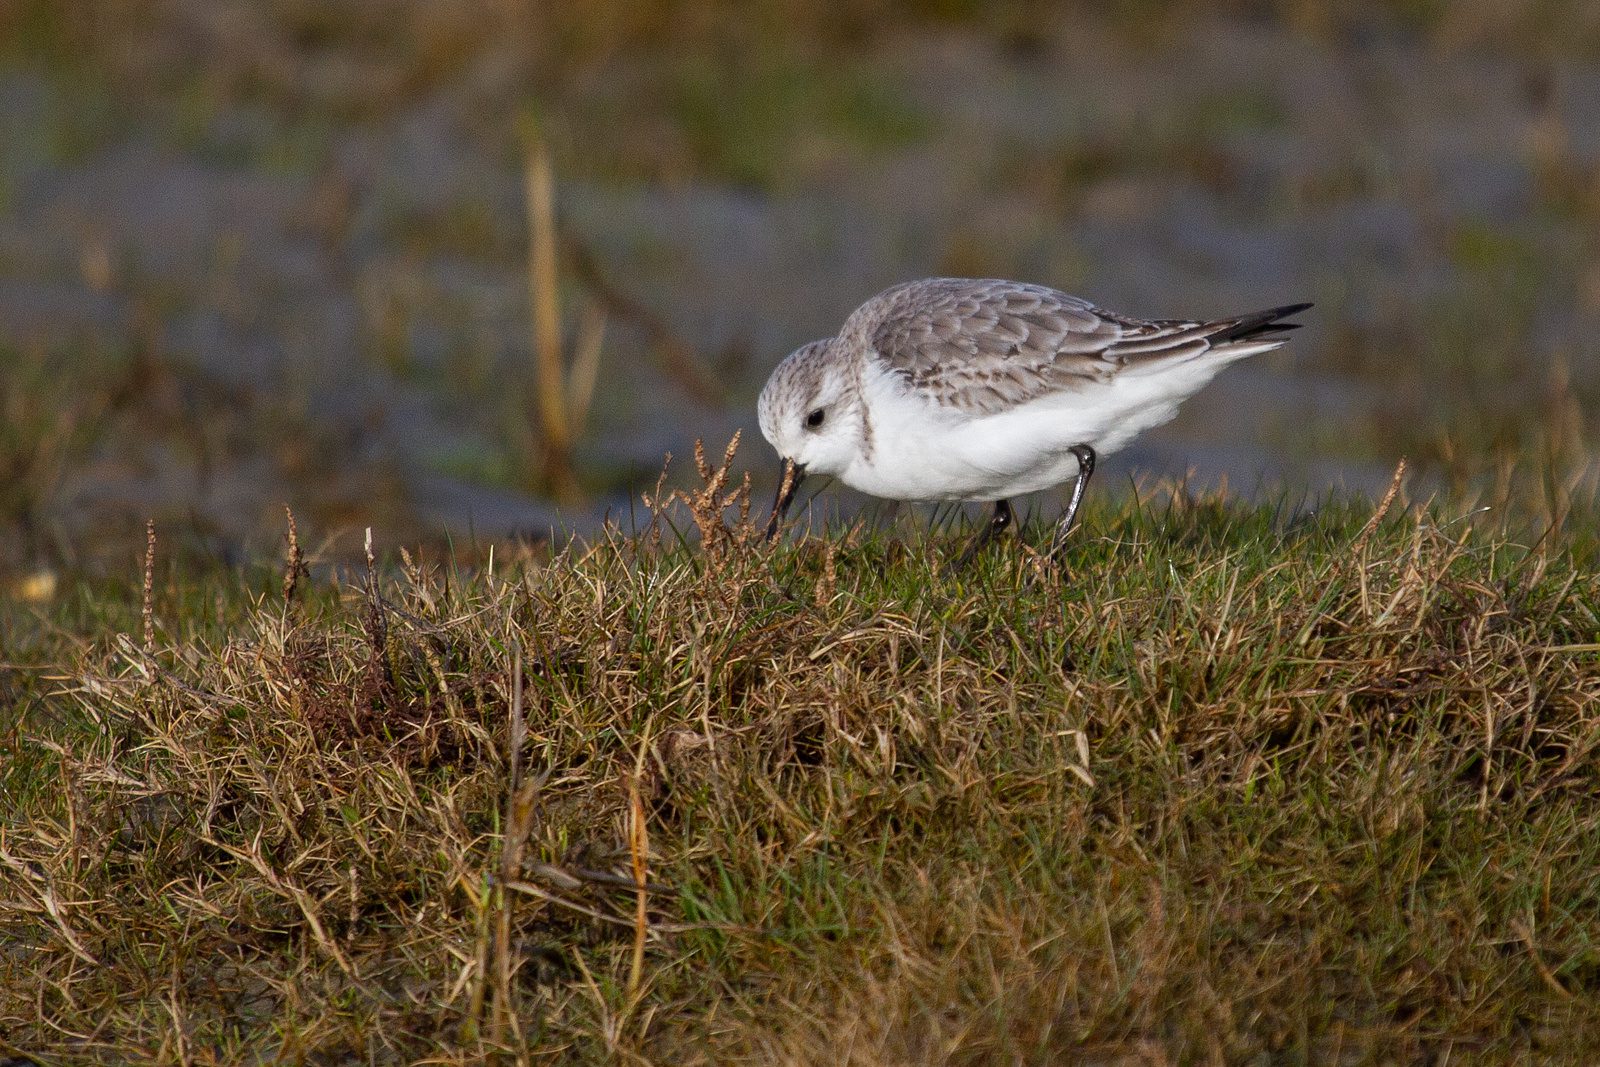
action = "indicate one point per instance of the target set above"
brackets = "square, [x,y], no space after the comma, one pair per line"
[814,419]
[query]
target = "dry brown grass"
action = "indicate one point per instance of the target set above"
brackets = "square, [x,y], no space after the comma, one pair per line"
[564,383]
[1226,791]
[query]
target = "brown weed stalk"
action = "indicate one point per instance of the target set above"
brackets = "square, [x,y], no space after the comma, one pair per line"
[294,565]
[564,385]
[147,610]
[708,504]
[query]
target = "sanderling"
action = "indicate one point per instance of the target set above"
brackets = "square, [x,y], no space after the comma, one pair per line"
[982,390]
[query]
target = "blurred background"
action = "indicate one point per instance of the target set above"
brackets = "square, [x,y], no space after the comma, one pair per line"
[469,269]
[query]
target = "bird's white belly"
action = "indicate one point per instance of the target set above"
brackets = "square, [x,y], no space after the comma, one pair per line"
[921,452]
[975,462]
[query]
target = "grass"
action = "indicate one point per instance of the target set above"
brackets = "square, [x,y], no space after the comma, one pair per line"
[1239,784]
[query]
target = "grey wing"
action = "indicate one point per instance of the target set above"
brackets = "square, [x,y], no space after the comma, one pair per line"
[987,346]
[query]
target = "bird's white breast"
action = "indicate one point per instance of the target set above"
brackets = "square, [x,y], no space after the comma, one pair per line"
[918,449]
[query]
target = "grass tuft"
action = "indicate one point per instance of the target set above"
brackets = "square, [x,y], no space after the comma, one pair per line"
[1236,783]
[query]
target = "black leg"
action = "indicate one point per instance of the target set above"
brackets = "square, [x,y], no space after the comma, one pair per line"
[997,523]
[1085,456]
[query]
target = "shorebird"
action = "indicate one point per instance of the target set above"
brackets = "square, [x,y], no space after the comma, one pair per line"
[982,390]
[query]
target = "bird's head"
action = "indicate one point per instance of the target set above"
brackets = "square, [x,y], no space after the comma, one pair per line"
[807,413]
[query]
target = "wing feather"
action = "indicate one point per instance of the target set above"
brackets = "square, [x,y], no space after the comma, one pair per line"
[983,346]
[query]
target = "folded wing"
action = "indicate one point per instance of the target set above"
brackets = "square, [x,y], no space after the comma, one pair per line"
[985,346]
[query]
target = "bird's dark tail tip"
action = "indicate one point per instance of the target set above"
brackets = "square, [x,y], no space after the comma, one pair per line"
[1259,324]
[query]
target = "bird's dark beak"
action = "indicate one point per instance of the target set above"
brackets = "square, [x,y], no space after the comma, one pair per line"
[788,486]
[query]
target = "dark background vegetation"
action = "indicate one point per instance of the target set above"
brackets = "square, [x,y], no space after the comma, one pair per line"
[256,252]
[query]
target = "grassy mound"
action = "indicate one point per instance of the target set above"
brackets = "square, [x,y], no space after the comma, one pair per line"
[1236,785]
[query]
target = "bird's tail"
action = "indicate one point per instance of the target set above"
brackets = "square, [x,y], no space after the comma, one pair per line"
[1252,334]
[1256,326]
[1176,342]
